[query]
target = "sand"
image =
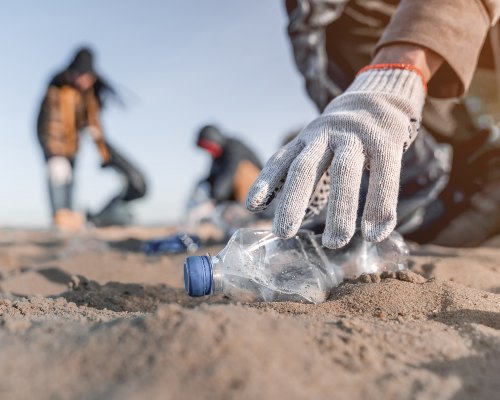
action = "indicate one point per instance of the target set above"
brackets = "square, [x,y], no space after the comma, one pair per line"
[90,317]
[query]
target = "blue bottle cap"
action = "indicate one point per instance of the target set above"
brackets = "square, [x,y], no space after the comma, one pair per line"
[198,275]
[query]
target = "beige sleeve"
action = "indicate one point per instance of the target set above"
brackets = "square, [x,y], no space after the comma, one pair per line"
[454,29]
[493,7]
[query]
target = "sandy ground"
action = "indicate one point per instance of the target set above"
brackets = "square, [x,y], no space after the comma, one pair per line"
[90,317]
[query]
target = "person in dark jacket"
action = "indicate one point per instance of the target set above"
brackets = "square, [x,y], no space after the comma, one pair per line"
[72,104]
[234,166]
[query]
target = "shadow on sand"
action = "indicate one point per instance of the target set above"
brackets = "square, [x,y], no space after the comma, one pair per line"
[132,297]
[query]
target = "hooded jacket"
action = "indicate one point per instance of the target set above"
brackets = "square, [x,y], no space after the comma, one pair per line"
[65,111]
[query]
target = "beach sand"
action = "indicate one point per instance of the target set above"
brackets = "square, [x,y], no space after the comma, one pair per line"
[90,317]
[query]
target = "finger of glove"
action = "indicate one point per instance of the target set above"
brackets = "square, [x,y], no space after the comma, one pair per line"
[272,177]
[346,172]
[303,174]
[380,215]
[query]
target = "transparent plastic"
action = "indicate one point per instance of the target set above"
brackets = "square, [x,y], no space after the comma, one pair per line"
[258,266]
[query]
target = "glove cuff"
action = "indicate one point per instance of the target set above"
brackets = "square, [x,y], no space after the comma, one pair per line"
[408,67]
[401,79]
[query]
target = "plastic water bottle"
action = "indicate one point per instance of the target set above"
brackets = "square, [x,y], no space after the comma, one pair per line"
[259,266]
[178,243]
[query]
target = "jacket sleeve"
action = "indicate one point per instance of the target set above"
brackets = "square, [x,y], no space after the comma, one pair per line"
[236,178]
[307,31]
[454,29]
[56,122]
[493,7]
[93,120]
[223,182]
[50,125]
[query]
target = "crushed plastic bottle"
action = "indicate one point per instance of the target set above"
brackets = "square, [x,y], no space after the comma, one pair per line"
[256,265]
[175,244]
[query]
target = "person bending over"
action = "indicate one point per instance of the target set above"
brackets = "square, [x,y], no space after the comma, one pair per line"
[372,110]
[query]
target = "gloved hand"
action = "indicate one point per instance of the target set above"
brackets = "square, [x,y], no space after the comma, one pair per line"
[370,125]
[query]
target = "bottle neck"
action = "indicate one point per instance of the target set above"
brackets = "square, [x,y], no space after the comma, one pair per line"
[217,275]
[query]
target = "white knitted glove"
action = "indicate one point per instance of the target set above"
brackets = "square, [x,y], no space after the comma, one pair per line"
[370,125]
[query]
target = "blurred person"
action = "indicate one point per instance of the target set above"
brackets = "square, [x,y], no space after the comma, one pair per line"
[370,66]
[234,166]
[219,199]
[72,106]
[215,209]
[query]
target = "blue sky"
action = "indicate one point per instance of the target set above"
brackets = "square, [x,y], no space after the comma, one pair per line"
[178,65]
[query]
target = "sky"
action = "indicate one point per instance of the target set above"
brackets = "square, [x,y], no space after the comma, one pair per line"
[177,64]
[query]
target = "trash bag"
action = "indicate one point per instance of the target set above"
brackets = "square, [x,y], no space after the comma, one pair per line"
[117,210]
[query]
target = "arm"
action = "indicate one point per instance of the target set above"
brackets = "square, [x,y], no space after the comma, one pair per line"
[427,61]
[307,29]
[50,126]
[95,129]
[223,182]
[373,122]
[454,29]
